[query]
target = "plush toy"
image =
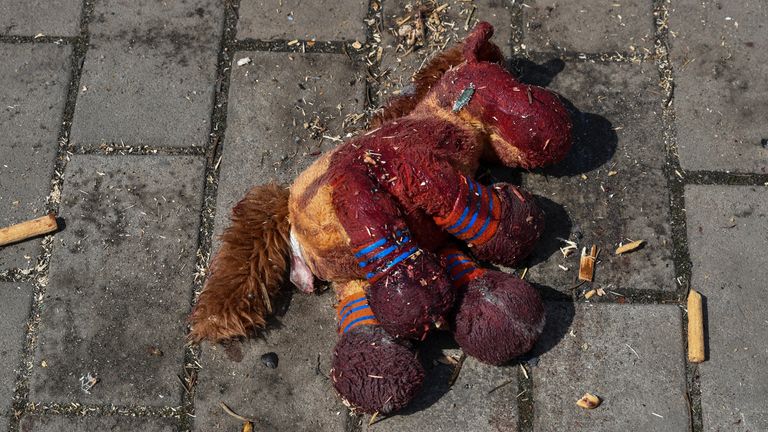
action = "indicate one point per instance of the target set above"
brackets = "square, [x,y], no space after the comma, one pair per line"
[385,216]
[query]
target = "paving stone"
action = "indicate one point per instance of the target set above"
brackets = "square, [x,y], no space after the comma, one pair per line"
[323,20]
[270,100]
[120,280]
[591,26]
[49,17]
[467,406]
[397,68]
[17,299]
[297,395]
[149,74]
[727,232]
[33,89]
[630,356]
[611,186]
[88,424]
[3,424]
[720,60]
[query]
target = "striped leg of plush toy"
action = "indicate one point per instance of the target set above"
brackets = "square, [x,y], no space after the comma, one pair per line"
[409,291]
[499,317]
[372,371]
[501,223]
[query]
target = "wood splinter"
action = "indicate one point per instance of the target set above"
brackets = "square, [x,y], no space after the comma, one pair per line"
[25,230]
[695,328]
[587,264]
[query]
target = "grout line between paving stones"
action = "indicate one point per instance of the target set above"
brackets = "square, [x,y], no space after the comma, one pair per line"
[40,272]
[76,409]
[213,154]
[125,150]
[676,184]
[525,401]
[58,40]
[724,178]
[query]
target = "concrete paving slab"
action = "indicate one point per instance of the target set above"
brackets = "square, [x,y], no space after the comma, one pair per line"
[720,60]
[150,74]
[611,186]
[397,68]
[3,424]
[629,356]
[89,424]
[49,17]
[323,20]
[471,404]
[17,300]
[728,231]
[33,90]
[297,395]
[589,26]
[280,107]
[120,281]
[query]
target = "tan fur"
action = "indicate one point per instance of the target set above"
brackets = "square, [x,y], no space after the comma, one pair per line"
[324,242]
[248,269]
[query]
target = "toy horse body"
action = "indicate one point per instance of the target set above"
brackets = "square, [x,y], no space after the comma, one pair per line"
[385,214]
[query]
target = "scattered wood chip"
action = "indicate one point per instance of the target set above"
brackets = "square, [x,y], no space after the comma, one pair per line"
[612,173]
[457,370]
[588,295]
[373,418]
[587,264]
[589,401]
[448,360]
[247,427]
[87,382]
[600,292]
[229,411]
[357,45]
[629,247]
[293,42]
[244,61]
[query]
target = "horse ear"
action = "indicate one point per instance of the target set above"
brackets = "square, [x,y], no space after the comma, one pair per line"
[477,46]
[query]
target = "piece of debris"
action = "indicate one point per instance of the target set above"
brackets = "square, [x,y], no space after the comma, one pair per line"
[464,98]
[589,401]
[587,264]
[457,370]
[244,61]
[270,360]
[39,35]
[87,382]
[357,45]
[629,247]
[28,229]
[570,247]
[247,427]
[612,173]
[695,328]
[588,295]
[155,351]
[600,292]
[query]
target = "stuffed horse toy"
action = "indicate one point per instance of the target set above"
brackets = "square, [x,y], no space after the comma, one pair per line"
[393,217]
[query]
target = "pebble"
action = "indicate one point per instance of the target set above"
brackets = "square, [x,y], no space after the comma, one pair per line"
[269,360]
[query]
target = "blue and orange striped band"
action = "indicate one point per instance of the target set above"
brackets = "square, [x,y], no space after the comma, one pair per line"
[475,216]
[378,257]
[354,311]
[461,268]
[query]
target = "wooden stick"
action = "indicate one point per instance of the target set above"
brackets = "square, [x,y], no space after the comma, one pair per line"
[695,328]
[28,229]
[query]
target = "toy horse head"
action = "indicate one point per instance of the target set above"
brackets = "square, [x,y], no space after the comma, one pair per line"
[525,126]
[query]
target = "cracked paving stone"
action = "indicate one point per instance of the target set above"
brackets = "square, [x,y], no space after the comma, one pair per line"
[720,61]
[31,423]
[589,26]
[15,308]
[398,66]
[611,187]
[32,17]
[149,74]
[120,279]
[297,395]
[278,115]
[631,356]
[33,90]
[323,20]
[471,404]
[727,232]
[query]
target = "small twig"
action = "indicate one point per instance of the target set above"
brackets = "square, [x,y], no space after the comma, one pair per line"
[505,383]
[229,411]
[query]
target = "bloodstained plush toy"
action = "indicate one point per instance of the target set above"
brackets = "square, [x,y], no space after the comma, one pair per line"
[388,217]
